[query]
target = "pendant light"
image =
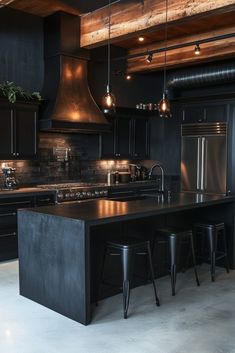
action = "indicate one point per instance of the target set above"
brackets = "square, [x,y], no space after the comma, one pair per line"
[109,100]
[164,104]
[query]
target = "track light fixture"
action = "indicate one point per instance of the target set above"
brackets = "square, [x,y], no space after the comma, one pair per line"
[149,58]
[109,100]
[197,49]
[141,39]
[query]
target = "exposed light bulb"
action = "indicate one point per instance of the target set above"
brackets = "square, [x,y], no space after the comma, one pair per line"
[164,107]
[149,58]
[108,102]
[128,77]
[197,49]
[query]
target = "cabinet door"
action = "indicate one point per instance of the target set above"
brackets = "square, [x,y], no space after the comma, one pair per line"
[107,143]
[25,132]
[217,112]
[140,138]
[193,114]
[123,137]
[6,133]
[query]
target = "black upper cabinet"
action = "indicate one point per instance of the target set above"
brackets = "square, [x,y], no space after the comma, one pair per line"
[141,144]
[204,112]
[123,137]
[129,137]
[18,133]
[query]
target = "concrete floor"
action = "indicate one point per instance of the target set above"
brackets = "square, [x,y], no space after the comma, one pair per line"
[198,319]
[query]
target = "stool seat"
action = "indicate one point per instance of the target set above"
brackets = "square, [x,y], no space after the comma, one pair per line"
[210,225]
[174,232]
[127,248]
[213,230]
[128,243]
[174,237]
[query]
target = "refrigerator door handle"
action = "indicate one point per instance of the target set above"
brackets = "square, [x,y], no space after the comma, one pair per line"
[198,163]
[203,164]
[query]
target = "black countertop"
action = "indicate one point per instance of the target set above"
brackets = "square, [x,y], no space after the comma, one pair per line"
[105,211]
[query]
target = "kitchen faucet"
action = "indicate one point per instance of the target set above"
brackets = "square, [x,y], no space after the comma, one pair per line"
[162,175]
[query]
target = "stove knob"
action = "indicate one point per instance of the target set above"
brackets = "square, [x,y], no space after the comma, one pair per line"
[89,194]
[72,194]
[67,195]
[60,196]
[78,195]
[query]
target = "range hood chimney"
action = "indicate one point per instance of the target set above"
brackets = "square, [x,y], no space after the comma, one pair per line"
[69,106]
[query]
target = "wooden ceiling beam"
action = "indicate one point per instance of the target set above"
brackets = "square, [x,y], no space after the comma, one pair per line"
[185,56]
[41,8]
[130,18]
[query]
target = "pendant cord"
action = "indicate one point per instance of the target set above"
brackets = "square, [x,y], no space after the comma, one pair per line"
[166,28]
[109,52]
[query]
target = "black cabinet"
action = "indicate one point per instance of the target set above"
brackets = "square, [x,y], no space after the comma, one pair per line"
[128,139]
[18,130]
[8,220]
[203,111]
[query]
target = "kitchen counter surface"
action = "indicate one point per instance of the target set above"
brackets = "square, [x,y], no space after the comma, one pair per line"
[104,211]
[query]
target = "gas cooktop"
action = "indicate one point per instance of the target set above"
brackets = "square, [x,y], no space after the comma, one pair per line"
[77,190]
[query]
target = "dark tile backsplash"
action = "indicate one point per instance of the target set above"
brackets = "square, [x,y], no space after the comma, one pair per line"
[82,164]
[83,161]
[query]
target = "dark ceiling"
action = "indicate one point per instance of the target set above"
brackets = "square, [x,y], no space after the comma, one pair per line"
[86,5]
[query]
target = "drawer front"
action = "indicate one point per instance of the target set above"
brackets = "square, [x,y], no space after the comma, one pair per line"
[8,223]
[11,205]
[45,199]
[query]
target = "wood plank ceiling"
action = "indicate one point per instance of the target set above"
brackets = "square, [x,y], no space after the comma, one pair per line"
[189,21]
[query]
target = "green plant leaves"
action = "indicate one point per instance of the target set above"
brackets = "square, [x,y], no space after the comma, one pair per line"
[12,92]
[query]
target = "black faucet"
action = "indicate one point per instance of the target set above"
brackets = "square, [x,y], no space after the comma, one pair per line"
[162,175]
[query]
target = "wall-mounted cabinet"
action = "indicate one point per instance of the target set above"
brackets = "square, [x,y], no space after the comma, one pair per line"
[202,112]
[129,136]
[18,130]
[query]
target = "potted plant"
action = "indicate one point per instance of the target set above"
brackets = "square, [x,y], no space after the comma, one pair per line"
[13,92]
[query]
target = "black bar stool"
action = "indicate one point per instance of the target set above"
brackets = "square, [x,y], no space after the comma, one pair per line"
[127,249]
[174,238]
[212,231]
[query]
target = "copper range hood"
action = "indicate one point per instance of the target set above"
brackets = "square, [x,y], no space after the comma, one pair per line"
[69,105]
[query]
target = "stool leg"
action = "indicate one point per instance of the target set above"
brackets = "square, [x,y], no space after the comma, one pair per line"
[152,275]
[127,258]
[212,238]
[226,250]
[173,255]
[101,276]
[194,258]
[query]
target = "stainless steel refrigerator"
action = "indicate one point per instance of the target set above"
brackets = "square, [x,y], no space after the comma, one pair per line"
[204,157]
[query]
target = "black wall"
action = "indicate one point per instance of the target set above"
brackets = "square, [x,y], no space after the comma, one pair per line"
[21,49]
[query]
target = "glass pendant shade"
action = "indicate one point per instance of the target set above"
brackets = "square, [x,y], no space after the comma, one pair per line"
[108,102]
[164,107]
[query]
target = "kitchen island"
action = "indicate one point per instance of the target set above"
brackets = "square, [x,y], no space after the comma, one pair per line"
[58,245]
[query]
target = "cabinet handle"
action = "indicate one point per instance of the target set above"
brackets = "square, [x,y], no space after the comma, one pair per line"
[7,234]
[12,132]
[35,133]
[44,200]
[8,214]
[17,154]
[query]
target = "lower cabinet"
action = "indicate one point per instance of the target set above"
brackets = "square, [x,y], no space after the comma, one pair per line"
[8,220]
[128,139]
